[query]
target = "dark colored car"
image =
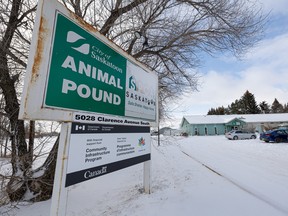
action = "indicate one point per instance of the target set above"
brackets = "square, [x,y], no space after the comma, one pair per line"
[154,133]
[277,136]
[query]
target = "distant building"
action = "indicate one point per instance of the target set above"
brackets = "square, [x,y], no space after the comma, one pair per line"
[169,131]
[220,124]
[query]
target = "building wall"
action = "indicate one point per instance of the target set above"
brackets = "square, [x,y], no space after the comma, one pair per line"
[221,129]
[186,127]
[209,129]
[205,129]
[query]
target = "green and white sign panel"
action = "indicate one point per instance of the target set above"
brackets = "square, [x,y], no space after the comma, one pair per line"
[85,72]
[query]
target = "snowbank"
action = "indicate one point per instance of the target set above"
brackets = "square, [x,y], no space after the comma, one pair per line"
[200,176]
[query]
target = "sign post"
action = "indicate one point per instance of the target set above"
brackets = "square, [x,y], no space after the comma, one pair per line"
[147,176]
[60,192]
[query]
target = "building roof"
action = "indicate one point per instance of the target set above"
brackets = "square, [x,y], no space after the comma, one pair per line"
[248,118]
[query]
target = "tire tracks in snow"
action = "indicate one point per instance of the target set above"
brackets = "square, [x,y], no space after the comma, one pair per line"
[237,184]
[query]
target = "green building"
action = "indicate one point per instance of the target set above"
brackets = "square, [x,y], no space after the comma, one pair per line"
[220,124]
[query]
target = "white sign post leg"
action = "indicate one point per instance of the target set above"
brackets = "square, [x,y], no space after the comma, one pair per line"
[60,192]
[147,173]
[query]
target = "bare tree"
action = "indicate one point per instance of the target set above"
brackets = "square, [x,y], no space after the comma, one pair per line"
[4,129]
[173,34]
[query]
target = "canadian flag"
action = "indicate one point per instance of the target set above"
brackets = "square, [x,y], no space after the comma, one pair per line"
[80,127]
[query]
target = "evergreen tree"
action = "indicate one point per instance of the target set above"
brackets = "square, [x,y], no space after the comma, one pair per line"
[220,111]
[249,104]
[235,107]
[277,107]
[217,111]
[264,107]
[212,111]
[285,108]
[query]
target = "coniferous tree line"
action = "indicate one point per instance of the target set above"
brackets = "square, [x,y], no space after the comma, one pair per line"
[248,105]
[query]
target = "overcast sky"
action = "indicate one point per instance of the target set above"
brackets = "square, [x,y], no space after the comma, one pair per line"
[263,71]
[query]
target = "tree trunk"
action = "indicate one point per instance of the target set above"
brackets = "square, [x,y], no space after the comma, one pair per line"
[16,186]
[31,139]
[22,178]
[42,179]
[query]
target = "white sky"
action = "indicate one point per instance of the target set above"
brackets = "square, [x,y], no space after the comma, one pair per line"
[263,72]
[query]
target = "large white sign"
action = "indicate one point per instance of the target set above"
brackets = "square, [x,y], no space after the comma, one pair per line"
[99,149]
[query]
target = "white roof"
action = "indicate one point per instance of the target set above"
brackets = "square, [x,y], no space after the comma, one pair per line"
[249,118]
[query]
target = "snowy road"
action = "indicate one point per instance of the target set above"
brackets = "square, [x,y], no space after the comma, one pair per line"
[258,168]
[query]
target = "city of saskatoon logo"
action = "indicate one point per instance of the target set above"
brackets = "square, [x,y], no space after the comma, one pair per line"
[132,83]
[78,42]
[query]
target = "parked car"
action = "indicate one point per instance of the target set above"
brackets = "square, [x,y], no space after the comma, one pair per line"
[154,133]
[240,134]
[278,135]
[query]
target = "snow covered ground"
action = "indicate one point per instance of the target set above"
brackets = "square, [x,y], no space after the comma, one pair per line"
[199,176]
